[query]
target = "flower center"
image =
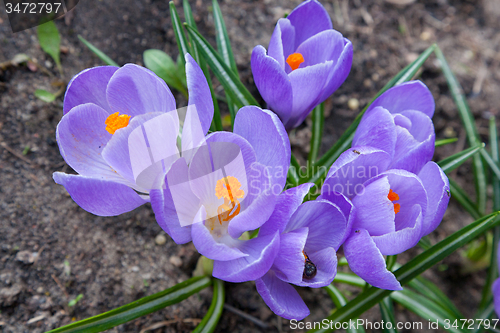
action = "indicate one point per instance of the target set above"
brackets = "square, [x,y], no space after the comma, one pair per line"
[294,60]
[228,188]
[115,122]
[393,196]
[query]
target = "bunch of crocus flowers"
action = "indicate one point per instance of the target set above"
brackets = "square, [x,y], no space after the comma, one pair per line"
[122,133]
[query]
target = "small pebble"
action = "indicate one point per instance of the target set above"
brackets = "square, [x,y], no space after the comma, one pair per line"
[48,64]
[26,257]
[353,104]
[425,35]
[135,269]
[176,261]
[160,239]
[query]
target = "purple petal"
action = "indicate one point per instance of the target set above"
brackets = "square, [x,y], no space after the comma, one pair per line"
[374,211]
[346,207]
[308,19]
[325,261]
[99,197]
[319,48]
[261,252]
[437,187]
[290,259]
[282,42]
[175,207]
[367,262]
[326,223]
[413,95]
[307,87]
[207,246]
[265,133]
[377,129]
[286,204]
[281,297]
[399,241]
[353,168]
[272,82]
[339,72]
[89,86]
[199,93]
[496,296]
[135,90]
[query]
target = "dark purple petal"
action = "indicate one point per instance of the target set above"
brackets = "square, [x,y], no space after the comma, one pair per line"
[401,240]
[282,42]
[99,197]
[374,211]
[286,204]
[307,87]
[135,90]
[89,86]
[326,223]
[324,46]
[346,207]
[272,82]
[413,95]
[207,246]
[340,71]
[353,168]
[261,252]
[496,296]
[175,206]
[377,129]
[367,262]
[437,187]
[290,259]
[325,261]
[308,19]
[281,297]
[265,133]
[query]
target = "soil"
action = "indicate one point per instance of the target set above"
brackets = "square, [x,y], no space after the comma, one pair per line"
[51,250]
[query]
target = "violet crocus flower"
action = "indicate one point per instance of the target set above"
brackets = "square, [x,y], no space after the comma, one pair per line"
[394,208]
[306,62]
[229,187]
[102,107]
[496,287]
[310,235]
[399,123]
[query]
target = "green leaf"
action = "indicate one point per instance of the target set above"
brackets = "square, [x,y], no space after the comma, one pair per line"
[443,142]
[293,172]
[414,268]
[317,173]
[317,132]
[463,199]
[387,312]
[217,121]
[45,96]
[455,160]
[209,322]
[339,300]
[74,301]
[163,66]
[424,308]
[350,279]
[141,307]
[228,79]
[470,128]
[492,164]
[180,37]
[50,41]
[101,55]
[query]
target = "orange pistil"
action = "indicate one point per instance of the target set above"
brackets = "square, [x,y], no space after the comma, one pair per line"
[393,196]
[294,60]
[115,122]
[229,188]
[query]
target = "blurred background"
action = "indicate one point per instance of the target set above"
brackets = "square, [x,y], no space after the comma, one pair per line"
[51,250]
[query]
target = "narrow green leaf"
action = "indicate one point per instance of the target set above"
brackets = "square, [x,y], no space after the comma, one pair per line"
[141,307]
[463,199]
[209,322]
[350,279]
[492,164]
[443,142]
[425,243]
[318,172]
[231,83]
[293,172]
[163,66]
[45,96]
[180,37]
[222,38]
[486,313]
[387,312]
[424,308]
[107,60]
[217,121]
[317,132]
[470,128]
[50,41]
[338,299]
[414,268]
[455,160]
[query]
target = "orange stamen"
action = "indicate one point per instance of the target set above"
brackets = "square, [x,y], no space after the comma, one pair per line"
[294,60]
[115,122]
[229,188]
[393,196]
[397,207]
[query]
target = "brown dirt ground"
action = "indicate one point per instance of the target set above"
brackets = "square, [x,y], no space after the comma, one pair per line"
[114,260]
